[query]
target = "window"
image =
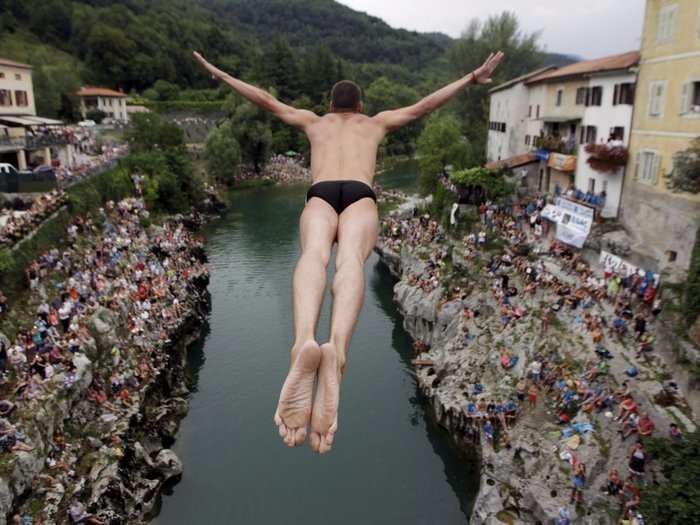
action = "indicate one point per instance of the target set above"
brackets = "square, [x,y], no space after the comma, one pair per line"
[581,96]
[690,98]
[656,98]
[497,126]
[5,97]
[588,134]
[2,75]
[618,133]
[18,76]
[624,94]
[666,28]
[672,255]
[591,185]
[527,140]
[560,95]
[529,111]
[538,111]
[605,186]
[648,163]
[596,96]
[21,98]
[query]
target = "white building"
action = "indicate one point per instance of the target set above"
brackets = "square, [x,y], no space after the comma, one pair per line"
[509,114]
[26,139]
[111,103]
[612,119]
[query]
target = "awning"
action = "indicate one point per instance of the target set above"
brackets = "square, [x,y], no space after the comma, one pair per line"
[46,121]
[17,120]
[562,162]
[560,119]
[513,162]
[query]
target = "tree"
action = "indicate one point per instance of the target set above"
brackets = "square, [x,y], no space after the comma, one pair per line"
[439,145]
[383,94]
[251,127]
[279,68]
[685,176]
[166,90]
[222,153]
[148,132]
[674,499]
[523,54]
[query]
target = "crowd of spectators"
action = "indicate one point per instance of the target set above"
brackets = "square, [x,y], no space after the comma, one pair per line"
[19,224]
[279,169]
[146,280]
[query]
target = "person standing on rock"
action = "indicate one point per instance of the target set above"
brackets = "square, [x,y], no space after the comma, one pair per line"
[340,208]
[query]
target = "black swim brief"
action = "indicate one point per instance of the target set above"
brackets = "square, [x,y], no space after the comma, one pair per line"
[340,193]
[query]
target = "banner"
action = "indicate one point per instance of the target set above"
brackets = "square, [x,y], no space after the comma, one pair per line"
[615,264]
[562,162]
[572,236]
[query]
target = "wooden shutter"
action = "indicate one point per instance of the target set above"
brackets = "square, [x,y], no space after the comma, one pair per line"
[656,165]
[616,94]
[685,98]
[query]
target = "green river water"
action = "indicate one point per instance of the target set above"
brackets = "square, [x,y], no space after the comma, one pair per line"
[391,464]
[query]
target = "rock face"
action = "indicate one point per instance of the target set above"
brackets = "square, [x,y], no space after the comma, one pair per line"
[124,479]
[529,482]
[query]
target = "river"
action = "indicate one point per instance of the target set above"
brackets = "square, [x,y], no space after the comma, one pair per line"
[391,464]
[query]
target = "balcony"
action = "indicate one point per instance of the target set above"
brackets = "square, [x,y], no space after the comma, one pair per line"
[606,158]
[45,141]
[555,145]
[12,144]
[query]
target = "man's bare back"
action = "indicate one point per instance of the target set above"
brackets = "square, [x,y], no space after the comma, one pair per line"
[344,147]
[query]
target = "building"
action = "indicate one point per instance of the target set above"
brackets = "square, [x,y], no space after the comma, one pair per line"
[584,104]
[666,120]
[25,138]
[555,113]
[508,117]
[111,103]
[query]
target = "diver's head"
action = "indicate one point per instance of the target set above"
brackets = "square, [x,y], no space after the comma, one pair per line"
[346,97]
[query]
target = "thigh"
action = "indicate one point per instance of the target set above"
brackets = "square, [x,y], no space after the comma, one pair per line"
[318,226]
[357,230]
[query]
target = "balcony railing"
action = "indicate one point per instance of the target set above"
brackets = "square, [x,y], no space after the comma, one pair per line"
[12,143]
[556,145]
[606,158]
[44,141]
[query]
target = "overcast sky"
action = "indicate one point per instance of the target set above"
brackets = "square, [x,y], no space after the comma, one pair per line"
[588,28]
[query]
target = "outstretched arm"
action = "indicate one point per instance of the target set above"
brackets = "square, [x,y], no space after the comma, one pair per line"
[299,118]
[396,118]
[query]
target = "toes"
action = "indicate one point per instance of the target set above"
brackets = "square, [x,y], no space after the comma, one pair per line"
[315,441]
[300,436]
[326,442]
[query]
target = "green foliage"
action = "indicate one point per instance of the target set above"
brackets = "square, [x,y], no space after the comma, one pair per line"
[674,501]
[443,199]
[384,94]
[691,299]
[523,54]
[148,132]
[96,114]
[222,153]
[492,182]
[439,145]
[251,127]
[165,90]
[686,170]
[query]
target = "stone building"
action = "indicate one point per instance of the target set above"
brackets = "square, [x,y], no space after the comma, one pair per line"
[664,223]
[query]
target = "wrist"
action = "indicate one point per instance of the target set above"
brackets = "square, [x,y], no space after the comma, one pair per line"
[471,78]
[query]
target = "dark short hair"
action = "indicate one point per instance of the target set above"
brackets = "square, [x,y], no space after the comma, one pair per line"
[346,96]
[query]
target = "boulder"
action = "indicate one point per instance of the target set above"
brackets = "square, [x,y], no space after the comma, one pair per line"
[168,464]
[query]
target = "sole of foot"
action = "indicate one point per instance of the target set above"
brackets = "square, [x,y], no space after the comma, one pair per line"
[294,407]
[324,418]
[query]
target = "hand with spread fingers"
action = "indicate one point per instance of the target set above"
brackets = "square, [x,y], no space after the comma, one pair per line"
[482,75]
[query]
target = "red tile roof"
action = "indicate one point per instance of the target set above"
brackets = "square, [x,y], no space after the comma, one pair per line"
[99,92]
[587,67]
[12,63]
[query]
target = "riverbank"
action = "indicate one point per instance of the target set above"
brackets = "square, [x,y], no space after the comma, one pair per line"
[480,352]
[95,384]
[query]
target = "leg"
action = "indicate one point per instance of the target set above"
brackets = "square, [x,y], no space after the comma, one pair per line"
[317,227]
[357,233]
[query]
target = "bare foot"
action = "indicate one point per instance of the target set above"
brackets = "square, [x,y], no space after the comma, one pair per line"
[324,418]
[294,407]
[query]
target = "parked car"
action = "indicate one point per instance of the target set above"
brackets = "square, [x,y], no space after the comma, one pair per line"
[8,169]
